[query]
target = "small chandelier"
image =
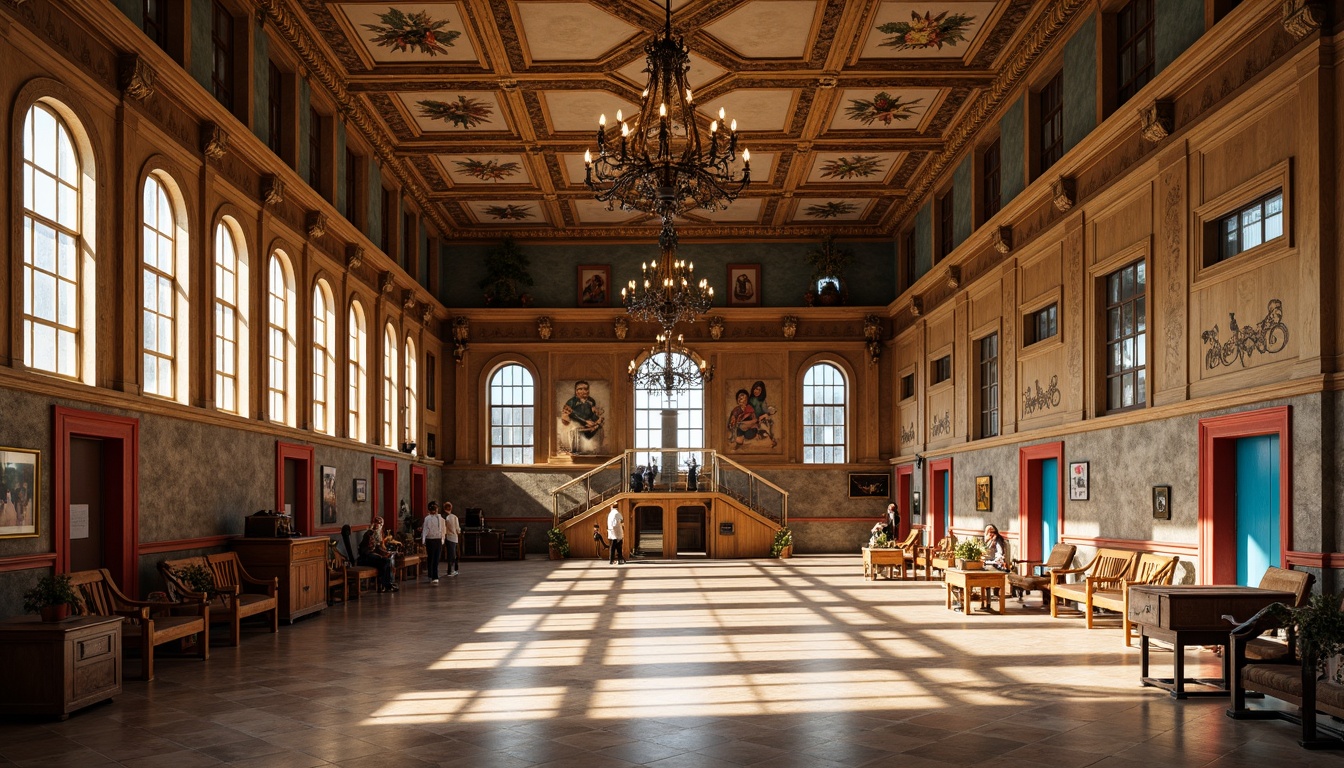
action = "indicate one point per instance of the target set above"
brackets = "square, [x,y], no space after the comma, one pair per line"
[667,293]
[669,366]
[666,163]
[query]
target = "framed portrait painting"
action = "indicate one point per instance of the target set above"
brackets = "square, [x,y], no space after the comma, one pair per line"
[984,493]
[595,285]
[1078,481]
[328,496]
[19,493]
[744,285]
[869,486]
[1161,502]
[361,490]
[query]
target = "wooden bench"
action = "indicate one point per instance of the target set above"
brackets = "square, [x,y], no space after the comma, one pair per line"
[1154,570]
[406,566]
[937,558]
[236,594]
[147,624]
[1106,567]
[1032,575]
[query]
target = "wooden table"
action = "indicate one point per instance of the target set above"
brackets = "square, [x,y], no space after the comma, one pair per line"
[481,545]
[889,558]
[989,578]
[55,668]
[1189,615]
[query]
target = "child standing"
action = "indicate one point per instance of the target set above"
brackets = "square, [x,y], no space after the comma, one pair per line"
[601,542]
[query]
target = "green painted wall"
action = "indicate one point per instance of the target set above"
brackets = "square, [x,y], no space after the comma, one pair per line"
[924,240]
[374,214]
[131,8]
[1012,142]
[305,102]
[1177,25]
[1080,83]
[962,187]
[202,13]
[261,82]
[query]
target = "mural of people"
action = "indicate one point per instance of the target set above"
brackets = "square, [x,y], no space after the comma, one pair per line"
[742,422]
[751,422]
[765,414]
[581,420]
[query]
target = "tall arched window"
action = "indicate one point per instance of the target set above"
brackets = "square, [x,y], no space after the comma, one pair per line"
[357,354]
[231,328]
[650,404]
[324,359]
[57,256]
[824,402]
[280,345]
[389,436]
[412,391]
[512,415]
[164,295]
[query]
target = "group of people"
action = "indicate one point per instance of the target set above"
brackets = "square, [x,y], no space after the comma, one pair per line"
[996,546]
[439,533]
[752,419]
[15,505]
[642,478]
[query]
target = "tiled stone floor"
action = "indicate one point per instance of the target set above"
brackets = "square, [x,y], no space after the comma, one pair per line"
[688,664]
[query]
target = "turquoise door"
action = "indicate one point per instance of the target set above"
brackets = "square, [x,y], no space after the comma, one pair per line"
[1257,507]
[1049,505]
[947,503]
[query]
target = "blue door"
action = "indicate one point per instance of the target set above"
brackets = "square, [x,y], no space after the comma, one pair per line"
[1049,505]
[1257,507]
[947,503]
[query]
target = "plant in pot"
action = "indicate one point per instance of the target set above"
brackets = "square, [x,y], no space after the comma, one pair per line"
[828,273]
[1319,627]
[51,597]
[196,577]
[782,546]
[557,544]
[970,554]
[506,268]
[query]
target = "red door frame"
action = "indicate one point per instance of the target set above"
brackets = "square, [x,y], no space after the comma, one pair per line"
[905,481]
[936,500]
[303,484]
[1029,496]
[121,490]
[386,507]
[419,480]
[1218,487]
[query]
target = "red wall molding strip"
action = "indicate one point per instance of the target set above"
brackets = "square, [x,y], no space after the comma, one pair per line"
[27,562]
[178,545]
[1170,547]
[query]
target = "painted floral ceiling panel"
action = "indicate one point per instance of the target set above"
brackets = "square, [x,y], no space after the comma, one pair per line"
[485,108]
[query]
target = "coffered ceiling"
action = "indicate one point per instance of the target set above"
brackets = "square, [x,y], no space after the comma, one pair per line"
[846,105]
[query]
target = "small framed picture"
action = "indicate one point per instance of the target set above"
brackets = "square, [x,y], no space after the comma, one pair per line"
[984,493]
[1078,481]
[869,486]
[328,496]
[1161,502]
[361,489]
[744,285]
[595,285]
[19,485]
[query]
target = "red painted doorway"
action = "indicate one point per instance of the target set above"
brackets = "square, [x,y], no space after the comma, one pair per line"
[1218,438]
[905,487]
[97,464]
[1033,497]
[418,499]
[294,484]
[940,498]
[385,494]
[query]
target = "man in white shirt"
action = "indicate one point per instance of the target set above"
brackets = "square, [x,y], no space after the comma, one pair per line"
[451,530]
[616,533]
[431,535]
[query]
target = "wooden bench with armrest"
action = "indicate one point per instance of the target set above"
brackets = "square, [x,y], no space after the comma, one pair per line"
[1286,678]
[1263,648]
[1155,570]
[1106,567]
[147,624]
[236,595]
[1031,575]
[939,557]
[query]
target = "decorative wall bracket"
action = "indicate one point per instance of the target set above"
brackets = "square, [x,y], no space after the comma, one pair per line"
[544,329]
[1301,17]
[386,283]
[872,334]
[1157,120]
[1003,239]
[790,326]
[408,299]
[461,329]
[316,224]
[1064,193]
[916,306]
[716,328]
[272,190]
[135,78]
[426,313]
[354,257]
[621,327]
[214,141]
[953,276]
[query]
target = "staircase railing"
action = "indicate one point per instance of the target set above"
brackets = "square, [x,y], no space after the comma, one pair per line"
[758,494]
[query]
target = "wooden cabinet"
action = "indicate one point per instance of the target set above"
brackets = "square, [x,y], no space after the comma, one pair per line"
[299,563]
[481,545]
[55,668]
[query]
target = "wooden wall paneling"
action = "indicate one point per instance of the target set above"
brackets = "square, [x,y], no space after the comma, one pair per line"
[1008,348]
[985,317]
[122,334]
[961,369]
[1314,163]
[1169,268]
[1072,322]
[1042,378]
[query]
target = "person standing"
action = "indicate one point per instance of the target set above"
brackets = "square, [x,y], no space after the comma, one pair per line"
[892,521]
[432,536]
[451,530]
[598,540]
[616,533]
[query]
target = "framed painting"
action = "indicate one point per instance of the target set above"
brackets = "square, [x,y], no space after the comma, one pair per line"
[19,485]
[984,493]
[595,285]
[328,496]
[361,490]
[1161,502]
[1078,481]
[744,285]
[869,486]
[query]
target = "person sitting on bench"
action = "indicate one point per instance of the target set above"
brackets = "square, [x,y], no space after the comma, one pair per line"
[373,554]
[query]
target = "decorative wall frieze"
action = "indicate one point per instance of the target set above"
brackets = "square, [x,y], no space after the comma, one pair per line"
[1157,120]
[386,282]
[941,425]
[716,328]
[272,190]
[621,328]
[316,224]
[790,326]
[1267,337]
[1064,193]
[354,257]
[544,329]
[908,434]
[135,78]
[1003,239]
[1301,17]
[214,141]
[1041,399]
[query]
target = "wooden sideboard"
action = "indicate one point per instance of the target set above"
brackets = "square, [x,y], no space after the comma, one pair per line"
[300,564]
[57,667]
[481,545]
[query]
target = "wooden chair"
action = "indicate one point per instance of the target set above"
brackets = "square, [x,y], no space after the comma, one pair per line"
[1032,575]
[338,575]
[910,548]
[236,595]
[1107,567]
[147,624]
[1275,647]
[514,547]
[939,557]
[1154,570]
[357,575]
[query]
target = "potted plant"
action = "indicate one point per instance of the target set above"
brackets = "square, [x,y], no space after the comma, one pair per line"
[52,598]
[828,273]
[782,547]
[1319,629]
[970,553]
[197,577]
[557,544]
[506,268]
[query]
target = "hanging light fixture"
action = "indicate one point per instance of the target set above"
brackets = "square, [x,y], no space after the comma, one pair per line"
[664,162]
[669,366]
[667,293]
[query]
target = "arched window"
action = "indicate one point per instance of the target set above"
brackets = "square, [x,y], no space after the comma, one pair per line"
[357,353]
[280,345]
[324,359]
[164,298]
[389,436]
[231,328]
[824,402]
[412,392]
[58,269]
[650,404]
[512,415]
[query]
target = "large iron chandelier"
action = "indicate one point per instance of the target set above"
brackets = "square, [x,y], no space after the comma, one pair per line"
[667,293]
[666,163]
[669,366]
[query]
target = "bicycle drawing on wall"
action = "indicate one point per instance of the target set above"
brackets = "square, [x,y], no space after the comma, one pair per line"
[1268,336]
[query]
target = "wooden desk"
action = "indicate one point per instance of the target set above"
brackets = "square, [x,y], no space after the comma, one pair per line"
[876,559]
[1189,615]
[986,579]
[482,545]
[57,667]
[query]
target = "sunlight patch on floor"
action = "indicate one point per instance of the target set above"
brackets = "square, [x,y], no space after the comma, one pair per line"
[740,618]
[760,694]
[727,649]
